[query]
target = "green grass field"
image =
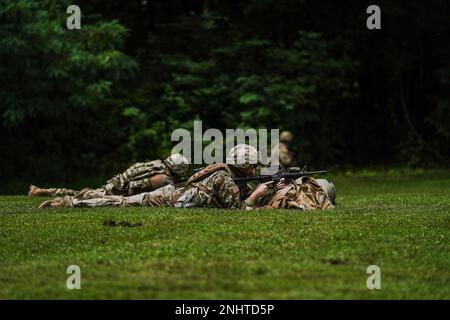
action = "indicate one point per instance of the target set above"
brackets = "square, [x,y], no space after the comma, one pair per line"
[400,223]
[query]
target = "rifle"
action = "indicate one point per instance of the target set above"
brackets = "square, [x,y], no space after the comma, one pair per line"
[291,174]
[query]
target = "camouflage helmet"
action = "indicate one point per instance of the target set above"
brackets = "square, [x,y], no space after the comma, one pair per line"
[243,156]
[178,164]
[286,136]
[329,189]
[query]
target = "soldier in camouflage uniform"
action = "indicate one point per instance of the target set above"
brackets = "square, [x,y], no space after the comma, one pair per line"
[140,177]
[164,196]
[213,187]
[305,193]
[286,157]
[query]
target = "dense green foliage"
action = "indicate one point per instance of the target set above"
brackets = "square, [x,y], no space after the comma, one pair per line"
[54,88]
[88,102]
[399,222]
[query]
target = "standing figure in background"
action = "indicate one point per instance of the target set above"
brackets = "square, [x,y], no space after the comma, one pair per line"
[286,156]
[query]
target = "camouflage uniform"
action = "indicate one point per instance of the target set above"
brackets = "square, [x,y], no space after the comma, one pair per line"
[52,192]
[214,190]
[214,187]
[135,179]
[286,157]
[164,196]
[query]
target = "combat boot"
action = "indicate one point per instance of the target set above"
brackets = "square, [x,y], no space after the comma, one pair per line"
[66,201]
[36,191]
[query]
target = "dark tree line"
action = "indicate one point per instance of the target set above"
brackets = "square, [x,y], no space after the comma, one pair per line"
[86,103]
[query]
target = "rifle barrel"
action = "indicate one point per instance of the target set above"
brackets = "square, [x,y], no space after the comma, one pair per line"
[277,176]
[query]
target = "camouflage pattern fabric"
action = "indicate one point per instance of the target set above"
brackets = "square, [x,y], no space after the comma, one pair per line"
[217,190]
[243,156]
[132,181]
[164,196]
[304,193]
[88,193]
[60,192]
[135,178]
[178,164]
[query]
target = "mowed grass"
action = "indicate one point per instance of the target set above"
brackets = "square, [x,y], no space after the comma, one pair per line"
[400,223]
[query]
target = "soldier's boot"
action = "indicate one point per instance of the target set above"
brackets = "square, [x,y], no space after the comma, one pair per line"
[36,191]
[57,202]
[31,190]
[50,192]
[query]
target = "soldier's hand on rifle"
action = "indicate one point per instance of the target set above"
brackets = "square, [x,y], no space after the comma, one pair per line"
[260,190]
[281,184]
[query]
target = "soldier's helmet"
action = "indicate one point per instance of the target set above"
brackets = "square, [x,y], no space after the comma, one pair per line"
[329,189]
[178,164]
[243,156]
[286,136]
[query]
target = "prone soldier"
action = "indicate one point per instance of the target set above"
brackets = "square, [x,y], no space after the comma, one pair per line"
[214,187]
[164,196]
[140,177]
[211,187]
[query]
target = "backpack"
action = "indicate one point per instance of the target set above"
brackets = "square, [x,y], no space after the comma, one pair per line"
[304,193]
[208,171]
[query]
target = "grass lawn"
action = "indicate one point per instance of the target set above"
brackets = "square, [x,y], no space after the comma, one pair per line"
[400,223]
